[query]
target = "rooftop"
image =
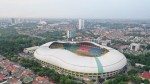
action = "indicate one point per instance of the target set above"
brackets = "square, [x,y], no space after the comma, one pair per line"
[2,76]
[146,75]
[41,80]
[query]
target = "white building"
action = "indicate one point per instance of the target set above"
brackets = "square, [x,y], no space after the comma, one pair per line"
[105,42]
[16,21]
[81,24]
[139,65]
[102,42]
[42,22]
[59,56]
[134,46]
[68,34]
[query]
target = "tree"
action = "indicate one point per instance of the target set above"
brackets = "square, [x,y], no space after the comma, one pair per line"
[137,80]
[148,47]
[67,81]
[132,72]
[146,68]
[61,81]
[109,82]
[122,82]
[146,81]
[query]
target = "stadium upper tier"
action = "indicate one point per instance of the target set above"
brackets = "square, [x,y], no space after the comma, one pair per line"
[82,49]
[82,57]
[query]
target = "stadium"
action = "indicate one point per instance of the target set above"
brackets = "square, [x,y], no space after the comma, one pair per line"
[81,59]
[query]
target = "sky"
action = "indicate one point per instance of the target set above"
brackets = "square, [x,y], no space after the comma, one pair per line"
[98,9]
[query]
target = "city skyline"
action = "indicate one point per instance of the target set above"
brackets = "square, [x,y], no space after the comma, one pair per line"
[97,9]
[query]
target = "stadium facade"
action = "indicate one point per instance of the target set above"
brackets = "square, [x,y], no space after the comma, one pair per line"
[81,59]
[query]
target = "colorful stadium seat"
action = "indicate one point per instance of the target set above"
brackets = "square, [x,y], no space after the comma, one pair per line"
[67,47]
[84,49]
[74,47]
[95,51]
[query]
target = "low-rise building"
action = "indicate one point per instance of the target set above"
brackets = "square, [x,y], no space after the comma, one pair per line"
[139,65]
[2,58]
[41,80]
[13,81]
[2,77]
[27,79]
[145,75]
[135,46]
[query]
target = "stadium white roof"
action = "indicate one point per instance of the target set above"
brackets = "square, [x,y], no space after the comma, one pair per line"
[111,61]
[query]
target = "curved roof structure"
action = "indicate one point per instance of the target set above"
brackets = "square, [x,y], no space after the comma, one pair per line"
[111,61]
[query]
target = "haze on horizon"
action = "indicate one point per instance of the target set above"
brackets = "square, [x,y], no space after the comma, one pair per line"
[110,9]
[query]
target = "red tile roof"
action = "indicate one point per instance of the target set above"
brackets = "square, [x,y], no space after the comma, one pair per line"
[146,75]
[124,46]
[2,76]
[27,72]
[51,82]
[41,80]
[11,68]
[14,81]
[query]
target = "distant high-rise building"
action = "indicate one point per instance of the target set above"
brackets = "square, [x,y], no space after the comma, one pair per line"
[81,24]
[16,21]
[13,21]
[42,22]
